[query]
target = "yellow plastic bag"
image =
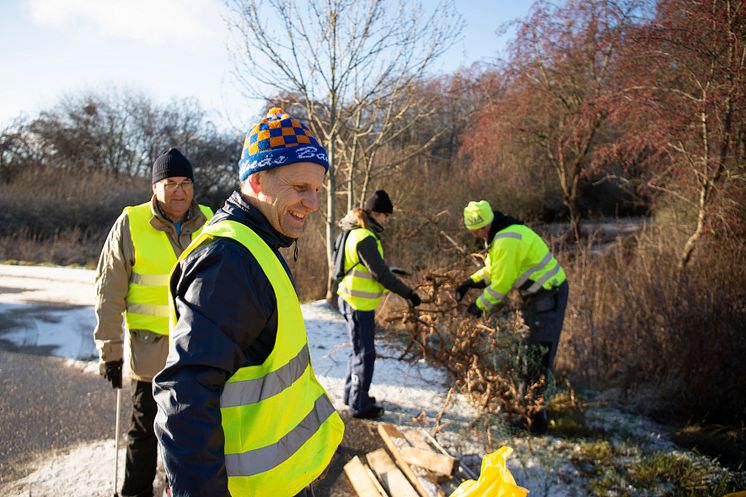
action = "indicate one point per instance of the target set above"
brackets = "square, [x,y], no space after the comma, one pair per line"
[495,479]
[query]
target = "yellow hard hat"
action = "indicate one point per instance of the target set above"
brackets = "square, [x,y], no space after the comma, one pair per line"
[478,214]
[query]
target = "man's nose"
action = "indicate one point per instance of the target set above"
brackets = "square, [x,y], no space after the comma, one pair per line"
[311,201]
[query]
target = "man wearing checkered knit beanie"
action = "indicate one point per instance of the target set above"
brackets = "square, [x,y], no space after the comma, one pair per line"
[237,318]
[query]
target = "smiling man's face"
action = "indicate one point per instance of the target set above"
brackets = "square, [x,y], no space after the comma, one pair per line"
[288,194]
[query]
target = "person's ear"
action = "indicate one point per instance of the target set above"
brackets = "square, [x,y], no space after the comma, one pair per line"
[256,182]
[152,187]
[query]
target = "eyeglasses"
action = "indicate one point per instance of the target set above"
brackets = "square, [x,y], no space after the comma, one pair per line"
[172,186]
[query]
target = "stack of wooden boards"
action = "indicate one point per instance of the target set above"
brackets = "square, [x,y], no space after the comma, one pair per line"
[415,465]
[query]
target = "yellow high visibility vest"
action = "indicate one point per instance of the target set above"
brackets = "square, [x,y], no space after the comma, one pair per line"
[281,430]
[359,288]
[515,256]
[147,294]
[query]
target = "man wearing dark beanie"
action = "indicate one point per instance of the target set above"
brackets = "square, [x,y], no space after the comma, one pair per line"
[131,280]
[366,278]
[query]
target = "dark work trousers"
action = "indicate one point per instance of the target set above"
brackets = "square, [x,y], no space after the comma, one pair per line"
[361,328]
[544,314]
[142,446]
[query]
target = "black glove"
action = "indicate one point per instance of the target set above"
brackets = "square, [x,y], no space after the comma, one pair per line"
[113,373]
[463,288]
[474,310]
[415,299]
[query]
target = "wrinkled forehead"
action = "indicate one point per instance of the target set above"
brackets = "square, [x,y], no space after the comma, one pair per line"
[300,173]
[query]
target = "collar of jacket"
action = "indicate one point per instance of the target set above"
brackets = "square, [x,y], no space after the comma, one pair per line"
[373,225]
[499,223]
[236,208]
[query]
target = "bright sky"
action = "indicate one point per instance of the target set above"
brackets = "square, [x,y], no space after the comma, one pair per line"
[164,48]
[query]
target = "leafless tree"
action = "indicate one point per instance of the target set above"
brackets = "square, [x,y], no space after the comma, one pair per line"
[351,68]
[119,132]
[687,102]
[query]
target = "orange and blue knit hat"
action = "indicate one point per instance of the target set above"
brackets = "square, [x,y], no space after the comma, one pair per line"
[279,140]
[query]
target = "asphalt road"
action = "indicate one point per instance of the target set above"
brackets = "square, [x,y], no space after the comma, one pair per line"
[47,406]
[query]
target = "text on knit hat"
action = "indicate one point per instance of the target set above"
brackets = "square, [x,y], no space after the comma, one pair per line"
[477,215]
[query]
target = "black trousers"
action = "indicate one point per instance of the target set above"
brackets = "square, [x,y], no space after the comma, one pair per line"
[142,445]
[544,314]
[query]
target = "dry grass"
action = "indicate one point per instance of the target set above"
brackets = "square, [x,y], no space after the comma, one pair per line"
[638,321]
[47,215]
[635,320]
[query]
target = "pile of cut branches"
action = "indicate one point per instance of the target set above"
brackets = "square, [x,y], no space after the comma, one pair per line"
[486,357]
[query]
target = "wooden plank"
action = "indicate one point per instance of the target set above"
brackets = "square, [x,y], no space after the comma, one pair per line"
[373,478]
[360,477]
[465,469]
[429,460]
[393,439]
[435,443]
[393,479]
[417,439]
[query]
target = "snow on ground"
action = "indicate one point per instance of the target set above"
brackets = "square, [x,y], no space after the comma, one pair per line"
[53,308]
[85,470]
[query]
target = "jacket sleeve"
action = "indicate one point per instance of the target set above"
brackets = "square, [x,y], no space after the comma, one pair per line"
[223,303]
[481,278]
[112,281]
[367,250]
[504,264]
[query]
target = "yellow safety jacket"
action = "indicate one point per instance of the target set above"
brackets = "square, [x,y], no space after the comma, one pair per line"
[359,288]
[281,430]
[147,294]
[516,256]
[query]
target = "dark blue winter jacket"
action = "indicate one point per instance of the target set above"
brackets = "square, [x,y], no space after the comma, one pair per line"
[227,319]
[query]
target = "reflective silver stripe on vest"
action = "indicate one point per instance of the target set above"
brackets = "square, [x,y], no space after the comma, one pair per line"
[258,461]
[241,393]
[362,274]
[517,236]
[160,311]
[524,277]
[494,294]
[540,282]
[358,293]
[149,279]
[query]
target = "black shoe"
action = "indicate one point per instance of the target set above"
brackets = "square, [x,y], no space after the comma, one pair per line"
[539,423]
[373,412]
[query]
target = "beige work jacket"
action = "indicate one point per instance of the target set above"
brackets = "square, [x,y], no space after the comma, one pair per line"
[146,351]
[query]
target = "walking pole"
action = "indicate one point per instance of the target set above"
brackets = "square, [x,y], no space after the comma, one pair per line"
[116,438]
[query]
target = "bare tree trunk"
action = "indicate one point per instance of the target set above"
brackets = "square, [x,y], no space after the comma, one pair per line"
[691,242]
[331,204]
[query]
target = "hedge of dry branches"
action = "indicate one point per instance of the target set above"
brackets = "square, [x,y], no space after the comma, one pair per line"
[487,358]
